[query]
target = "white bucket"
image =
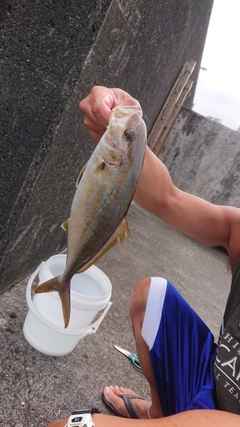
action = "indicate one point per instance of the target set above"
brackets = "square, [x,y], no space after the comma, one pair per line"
[44,328]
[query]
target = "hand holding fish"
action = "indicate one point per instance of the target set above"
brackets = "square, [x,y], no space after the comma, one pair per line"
[97,107]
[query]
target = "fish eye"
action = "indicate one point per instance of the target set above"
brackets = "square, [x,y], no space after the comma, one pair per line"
[129,134]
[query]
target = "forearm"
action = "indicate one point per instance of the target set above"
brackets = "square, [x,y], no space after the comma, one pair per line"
[155,184]
[197,418]
[193,216]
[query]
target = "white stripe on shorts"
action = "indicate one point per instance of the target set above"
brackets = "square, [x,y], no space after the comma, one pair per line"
[153,313]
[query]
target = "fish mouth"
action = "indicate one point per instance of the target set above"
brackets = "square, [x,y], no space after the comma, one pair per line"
[121,114]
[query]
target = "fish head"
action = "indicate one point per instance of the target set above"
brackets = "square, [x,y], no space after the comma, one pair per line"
[126,134]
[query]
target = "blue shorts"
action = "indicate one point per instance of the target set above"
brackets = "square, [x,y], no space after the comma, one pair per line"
[182,350]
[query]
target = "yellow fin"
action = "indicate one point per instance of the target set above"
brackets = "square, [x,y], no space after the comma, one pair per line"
[81,174]
[65,225]
[121,234]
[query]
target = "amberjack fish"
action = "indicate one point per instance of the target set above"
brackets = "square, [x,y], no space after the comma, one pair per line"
[105,189]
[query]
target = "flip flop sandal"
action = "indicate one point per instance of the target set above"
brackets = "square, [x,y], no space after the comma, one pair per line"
[127,401]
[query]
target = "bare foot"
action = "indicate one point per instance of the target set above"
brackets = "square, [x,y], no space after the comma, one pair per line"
[140,406]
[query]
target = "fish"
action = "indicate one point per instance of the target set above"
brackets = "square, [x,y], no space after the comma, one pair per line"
[105,189]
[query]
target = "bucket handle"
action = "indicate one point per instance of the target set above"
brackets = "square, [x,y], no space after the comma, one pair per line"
[94,326]
[91,329]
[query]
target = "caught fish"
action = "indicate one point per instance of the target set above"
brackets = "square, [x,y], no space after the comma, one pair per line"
[105,189]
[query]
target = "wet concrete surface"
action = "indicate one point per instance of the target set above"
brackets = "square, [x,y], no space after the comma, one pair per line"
[37,389]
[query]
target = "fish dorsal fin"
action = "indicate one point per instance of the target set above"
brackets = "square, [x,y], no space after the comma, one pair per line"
[81,174]
[65,225]
[121,234]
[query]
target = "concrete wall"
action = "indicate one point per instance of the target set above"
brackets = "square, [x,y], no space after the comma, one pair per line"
[203,158]
[52,53]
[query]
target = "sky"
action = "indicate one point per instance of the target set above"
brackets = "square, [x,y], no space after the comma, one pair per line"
[218,88]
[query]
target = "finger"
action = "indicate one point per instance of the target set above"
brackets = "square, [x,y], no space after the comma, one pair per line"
[94,121]
[97,105]
[95,135]
[92,125]
[102,105]
[96,131]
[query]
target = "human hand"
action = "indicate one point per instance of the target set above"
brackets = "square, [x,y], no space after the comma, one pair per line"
[97,107]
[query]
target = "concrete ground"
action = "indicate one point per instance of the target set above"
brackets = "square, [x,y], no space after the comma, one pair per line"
[37,389]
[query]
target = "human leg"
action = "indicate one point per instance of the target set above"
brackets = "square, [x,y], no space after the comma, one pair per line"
[137,308]
[143,408]
[178,359]
[182,351]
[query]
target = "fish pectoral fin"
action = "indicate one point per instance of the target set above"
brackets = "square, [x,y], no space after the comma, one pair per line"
[121,234]
[65,225]
[64,294]
[81,174]
[100,168]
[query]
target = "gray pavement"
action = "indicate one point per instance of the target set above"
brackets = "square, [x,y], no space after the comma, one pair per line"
[37,389]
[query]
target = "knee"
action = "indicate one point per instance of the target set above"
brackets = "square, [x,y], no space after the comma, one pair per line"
[138,299]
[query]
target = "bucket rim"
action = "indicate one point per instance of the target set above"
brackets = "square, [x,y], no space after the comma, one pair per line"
[91,271]
[87,330]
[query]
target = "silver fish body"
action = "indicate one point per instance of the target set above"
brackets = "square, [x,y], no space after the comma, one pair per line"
[104,193]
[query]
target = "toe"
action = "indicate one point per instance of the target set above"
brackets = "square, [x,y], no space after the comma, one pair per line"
[112,395]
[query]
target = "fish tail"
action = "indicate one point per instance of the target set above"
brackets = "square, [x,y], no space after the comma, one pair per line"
[63,290]
[48,286]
